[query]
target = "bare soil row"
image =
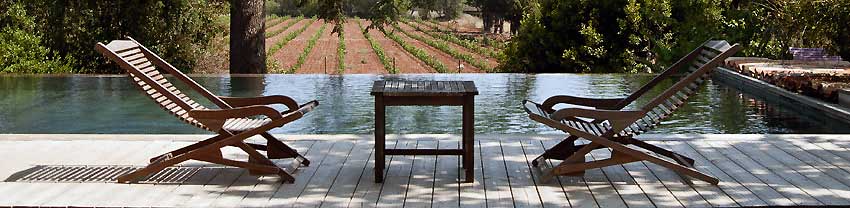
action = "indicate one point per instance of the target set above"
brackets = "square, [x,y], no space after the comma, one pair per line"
[360,57]
[287,56]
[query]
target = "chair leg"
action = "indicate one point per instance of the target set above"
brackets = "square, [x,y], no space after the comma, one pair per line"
[560,151]
[277,150]
[155,167]
[681,159]
[257,158]
[640,155]
[573,167]
[189,148]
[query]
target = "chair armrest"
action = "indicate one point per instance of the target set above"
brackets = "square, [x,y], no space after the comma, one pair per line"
[605,103]
[264,100]
[611,115]
[237,112]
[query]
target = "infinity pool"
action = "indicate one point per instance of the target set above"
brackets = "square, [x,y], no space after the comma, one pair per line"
[110,104]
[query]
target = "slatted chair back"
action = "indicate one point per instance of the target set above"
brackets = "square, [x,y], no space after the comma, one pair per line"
[142,66]
[708,57]
[666,74]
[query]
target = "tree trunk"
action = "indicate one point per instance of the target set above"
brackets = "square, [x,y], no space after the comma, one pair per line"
[247,37]
[488,21]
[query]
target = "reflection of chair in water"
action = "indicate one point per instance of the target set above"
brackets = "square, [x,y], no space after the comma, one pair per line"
[234,121]
[609,126]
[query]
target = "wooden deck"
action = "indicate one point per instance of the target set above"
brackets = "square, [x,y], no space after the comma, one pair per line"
[755,170]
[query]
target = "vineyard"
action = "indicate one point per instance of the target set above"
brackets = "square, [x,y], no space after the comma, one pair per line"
[303,45]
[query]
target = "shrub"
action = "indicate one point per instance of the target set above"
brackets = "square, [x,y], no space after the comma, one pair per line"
[22,50]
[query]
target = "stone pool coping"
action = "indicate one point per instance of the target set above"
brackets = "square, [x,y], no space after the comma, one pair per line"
[784,97]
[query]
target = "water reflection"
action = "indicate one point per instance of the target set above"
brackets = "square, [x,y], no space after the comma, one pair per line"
[82,104]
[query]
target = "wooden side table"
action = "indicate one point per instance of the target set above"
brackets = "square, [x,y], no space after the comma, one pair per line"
[424,93]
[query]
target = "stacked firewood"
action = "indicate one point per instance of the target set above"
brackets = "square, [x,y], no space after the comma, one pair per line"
[820,79]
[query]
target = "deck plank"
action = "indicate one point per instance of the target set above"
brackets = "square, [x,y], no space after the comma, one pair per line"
[34,194]
[397,179]
[220,183]
[350,174]
[420,189]
[603,190]
[712,194]
[446,191]
[496,182]
[318,186]
[787,190]
[75,193]
[367,192]
[523,188]
[764,191]
[159,192]
[738,193]
[624,183]
[660,195]
[755,171]
[799,155]
[576,188]
[549,188]
[25,194]
[819,187]
[473,194]
[267,185]
[286,194]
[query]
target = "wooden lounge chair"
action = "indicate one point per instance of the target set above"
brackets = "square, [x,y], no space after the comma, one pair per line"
[234,120]
[609,126]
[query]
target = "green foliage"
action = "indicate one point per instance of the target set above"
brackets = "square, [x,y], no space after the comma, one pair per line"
[379,51]
[446,48]
[647,35]
[179,31]
[289,36]
[451,38]
[332,11]
[418,53]
[272,7]
[340,52]
[21,48]
[310,44]
[386,13]
[769,27]
[590,36]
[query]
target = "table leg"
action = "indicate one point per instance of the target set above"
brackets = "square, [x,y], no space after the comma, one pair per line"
[379,139]
[468,137]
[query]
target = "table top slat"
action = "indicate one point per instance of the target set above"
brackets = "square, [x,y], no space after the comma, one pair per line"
[423,88]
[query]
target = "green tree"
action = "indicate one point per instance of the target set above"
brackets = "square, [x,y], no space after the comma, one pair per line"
[590,36]
[21,46]
[180,30]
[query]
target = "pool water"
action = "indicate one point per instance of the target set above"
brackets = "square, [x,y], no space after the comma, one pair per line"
[110,104]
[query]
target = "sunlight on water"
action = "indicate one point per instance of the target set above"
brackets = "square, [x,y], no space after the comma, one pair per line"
[110,104]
